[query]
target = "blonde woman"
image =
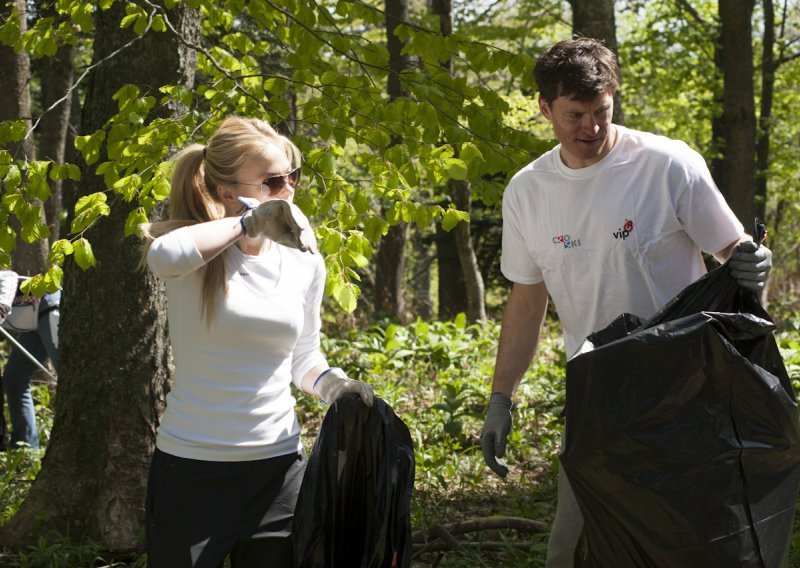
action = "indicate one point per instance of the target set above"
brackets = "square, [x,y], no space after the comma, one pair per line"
[244,322]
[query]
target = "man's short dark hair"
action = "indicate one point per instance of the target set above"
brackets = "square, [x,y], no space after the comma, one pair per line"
[581,69]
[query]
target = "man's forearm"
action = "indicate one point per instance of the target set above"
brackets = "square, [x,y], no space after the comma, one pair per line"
[519,336]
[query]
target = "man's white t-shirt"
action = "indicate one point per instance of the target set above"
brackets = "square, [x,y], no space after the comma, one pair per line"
[621,236]
[231,397]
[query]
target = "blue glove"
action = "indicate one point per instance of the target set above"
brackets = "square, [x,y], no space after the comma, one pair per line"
[495,433]
[750,265]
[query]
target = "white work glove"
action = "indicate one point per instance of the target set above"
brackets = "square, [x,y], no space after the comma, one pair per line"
[334,382]
[8,289]
[495,433]
[750,265]
[279,221]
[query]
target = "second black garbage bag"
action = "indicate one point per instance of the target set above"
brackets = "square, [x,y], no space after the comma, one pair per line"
[682,442]
[354,506]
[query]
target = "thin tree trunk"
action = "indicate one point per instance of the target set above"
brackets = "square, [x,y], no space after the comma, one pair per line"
[390,266]
[113,344]
[595,19]
[452,296]
[736,178]
[15,72]
[56,75]
[422,302]
[768,68]
[461,192]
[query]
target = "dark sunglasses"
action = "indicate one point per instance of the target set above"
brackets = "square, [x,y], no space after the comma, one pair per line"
[276,183]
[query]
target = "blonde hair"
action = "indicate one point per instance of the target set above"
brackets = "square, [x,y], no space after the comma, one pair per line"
[199,171]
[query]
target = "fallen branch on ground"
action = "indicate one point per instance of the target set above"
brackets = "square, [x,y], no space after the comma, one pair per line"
[442,537]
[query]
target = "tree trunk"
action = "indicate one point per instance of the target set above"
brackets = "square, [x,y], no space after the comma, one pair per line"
[452,294]
[113,343]
[390,266]
[768,67]
[423,257]
[736,176]
[461,192]
[56,75]
[595,19]
[14,92]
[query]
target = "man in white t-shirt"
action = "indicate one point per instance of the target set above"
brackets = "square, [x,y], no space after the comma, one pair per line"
[611,220]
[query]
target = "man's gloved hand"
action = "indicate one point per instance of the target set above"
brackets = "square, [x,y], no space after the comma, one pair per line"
[334,382]
[495,433]
[750,265]
[279,221]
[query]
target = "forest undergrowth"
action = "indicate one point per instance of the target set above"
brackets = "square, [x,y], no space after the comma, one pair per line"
[435,377]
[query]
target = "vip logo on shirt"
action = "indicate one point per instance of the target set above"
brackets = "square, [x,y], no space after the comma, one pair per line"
[625,231]
[566,241]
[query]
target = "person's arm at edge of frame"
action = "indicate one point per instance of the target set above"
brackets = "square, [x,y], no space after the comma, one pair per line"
[523,317]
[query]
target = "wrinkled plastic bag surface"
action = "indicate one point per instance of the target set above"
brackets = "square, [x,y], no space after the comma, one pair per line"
[354,506]
[682,435]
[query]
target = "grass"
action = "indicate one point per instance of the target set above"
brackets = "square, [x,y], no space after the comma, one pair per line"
[434,375]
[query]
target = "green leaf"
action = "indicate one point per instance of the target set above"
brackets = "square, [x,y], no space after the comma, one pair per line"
[59,250]
[473,157]
[375,228]
[8,239]
[452,217]
[89,146]
[456,169]
[54,278]
[331,242]
[158,24]
[134,220]
[423,216]
[128,186]
[84,255]
[346,295]
[89,208]
[12,131]
[354,258]
[13,178]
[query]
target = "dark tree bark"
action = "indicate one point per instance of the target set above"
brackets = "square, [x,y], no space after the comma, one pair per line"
[15,73]
[595,19]
[56,75]
[461,193]
[452,296]
[768,68]
[422,259]
[736,173]
[113,342]
[391,262]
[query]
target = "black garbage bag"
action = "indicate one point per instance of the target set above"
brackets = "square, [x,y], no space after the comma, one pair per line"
[354,506]
[682,440]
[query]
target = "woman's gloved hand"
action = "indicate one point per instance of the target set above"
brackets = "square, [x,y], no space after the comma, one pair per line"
[334,382]
[279,221]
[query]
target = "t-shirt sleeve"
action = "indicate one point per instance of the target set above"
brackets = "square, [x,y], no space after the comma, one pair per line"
[516,262]
[174,255]
[307,353]
[702,210]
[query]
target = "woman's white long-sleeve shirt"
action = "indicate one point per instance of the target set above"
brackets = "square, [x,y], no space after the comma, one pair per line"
[231,398]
